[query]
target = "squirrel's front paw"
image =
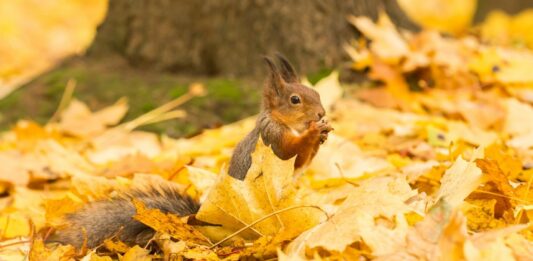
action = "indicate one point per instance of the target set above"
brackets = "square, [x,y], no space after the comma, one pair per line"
[324,128]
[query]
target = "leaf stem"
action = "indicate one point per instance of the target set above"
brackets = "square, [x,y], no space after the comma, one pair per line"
[264,218]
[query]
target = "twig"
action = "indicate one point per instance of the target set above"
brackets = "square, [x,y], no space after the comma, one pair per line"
[167,116]
[503,196]
[160,112]
[264,218]
[32,236]
[48,233]
[344,177]
[65,99]
[8,219]
[15,243]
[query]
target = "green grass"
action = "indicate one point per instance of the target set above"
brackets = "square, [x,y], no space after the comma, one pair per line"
[101,83]
[317,76]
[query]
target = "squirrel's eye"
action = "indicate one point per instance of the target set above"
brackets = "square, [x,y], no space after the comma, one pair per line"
[295,99]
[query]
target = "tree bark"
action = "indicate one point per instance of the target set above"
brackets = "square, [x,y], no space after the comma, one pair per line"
[229,37]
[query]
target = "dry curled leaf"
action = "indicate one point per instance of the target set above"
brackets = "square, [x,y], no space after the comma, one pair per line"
[116,246]
[168,224]
[137,253]
[404,176]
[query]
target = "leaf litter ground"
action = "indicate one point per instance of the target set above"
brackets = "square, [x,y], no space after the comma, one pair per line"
[434,162]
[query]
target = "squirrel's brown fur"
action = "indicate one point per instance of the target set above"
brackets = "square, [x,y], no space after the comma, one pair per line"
[291,128]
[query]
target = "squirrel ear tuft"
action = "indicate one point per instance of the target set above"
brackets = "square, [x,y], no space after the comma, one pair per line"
[274,80]
[287,71]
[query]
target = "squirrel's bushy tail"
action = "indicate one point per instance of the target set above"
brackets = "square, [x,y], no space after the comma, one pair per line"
[114,217]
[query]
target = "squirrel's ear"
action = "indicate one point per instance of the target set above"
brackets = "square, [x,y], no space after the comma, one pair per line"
[274,80]
[287,71]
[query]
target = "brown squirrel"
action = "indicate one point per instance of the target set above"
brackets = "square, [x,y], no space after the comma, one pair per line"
[291,122]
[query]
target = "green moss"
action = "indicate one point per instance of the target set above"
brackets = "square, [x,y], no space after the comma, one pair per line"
[224,89]
[177,91]
[227,100]
[317,76]
[6,109]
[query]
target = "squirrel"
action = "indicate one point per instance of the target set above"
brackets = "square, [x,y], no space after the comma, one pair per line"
[291,122]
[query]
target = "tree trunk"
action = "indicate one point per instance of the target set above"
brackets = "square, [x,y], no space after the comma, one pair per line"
[229,37]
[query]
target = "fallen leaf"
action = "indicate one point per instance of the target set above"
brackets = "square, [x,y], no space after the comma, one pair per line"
[116,246]
[137,253]
[447,16]
[267,188]
[78,120]
[40,252]
[480,214]
[330,90]
[501,181]
[38,36]
[117,143]
[92,256]
[14,225]
[459,181]
[339,158]
[372,212]
[130,164]
[57,208]
[168,224]
[202,179]
[173,249]
[387,43]
[519,120]
[491,245]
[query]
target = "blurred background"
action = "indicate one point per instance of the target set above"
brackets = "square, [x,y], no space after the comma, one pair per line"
[150,51]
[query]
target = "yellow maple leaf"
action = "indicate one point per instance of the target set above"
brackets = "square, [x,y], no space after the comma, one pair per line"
[137,253]
[173,249]
[57,208]
[340,159]
[116,143]
[500,180]
[202,179]
[92,256]
[480,214]
[440,236]
[387,43]
[168,224]
[373,213]
[116,246]
[14,225]
[459,180]
[507,161]
[39,252]
[78,120]
[267,188]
